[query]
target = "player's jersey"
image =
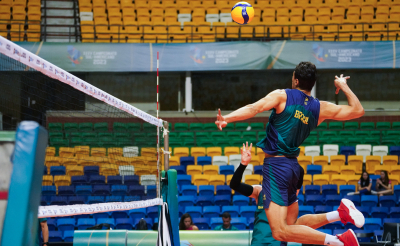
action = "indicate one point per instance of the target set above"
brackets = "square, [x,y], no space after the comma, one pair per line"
[262,234]
[287,131]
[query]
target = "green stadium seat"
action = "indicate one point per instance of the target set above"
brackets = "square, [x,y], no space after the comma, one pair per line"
[76,141]
[187,142]
[328,134]
[100,127]
[367,125]
[396,125]
[152,135]
[73,134]
[56,135]
[312,133]
[338,140]
[55,127]
[219,134]
[147,127]
[89,135]
[355,140]
[92,142]
[108,142]
[181,127]
[186,135]
[234,134]
[372,140]
[123,143]
[202,134]
[351,125]
[120,135]
[175,142]
[139,134]
[322,126]
[106,134]
[228,127]
[211,126]
[375,133]
[257,126]
[249,134]
[346,133]
[173,134]
[223,142]
[383,125]
[241,126]
[362,133]
[392,134]
[71,127]
[324,140]
[205,143]
[85,127]
[119,127]
[134,127]
[239,141]
[141,141]
[196,126]
[310,141]
[59,142]
[389,142]
[335,125]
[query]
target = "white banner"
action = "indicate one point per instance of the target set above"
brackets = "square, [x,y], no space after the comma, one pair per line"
[20,54]
[71,210]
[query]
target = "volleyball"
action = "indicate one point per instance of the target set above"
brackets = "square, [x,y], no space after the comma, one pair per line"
[242,13]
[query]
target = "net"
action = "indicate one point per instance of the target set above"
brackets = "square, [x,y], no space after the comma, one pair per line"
[102,151]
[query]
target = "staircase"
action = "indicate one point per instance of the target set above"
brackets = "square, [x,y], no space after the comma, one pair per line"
[60,21]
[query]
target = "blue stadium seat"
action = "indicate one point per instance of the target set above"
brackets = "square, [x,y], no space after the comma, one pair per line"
[45,200]
[391,220]
[66,224]
[68,236]
[344,189]
[79,180]
[364,239]
[372,224]
[239,223]
[211,211]
[365,211]
[81,216]
[204,160]
[334,226]
[233,210]
[205,201]
[95,199]
[206,190]
[224,190]
[350,226]
[137,213]
[369,201]
[355,199]
[378,234]
[250,223]
[394,212]
[131,180]
[113,198]
[66,191]
[330,189]
[227,169]
[152,190]
[347,150]
[186,201]
[381,212]
[184,180]
[258,170]
[396,189]
[72,200]
[185,161]
[222,200]
[326,231]
[97,179]
[214,222]
[152,212]
[83,224]
[305,210]
[114,180]
[240,200]
[57,170]
[119,190]
[123,224]
[314,200]
[132,198]
[332,200]
[55,236]
[83,190]
[339,231]
[59,200]
[195,212]
[314,169]
[110,221]
[101,215]
[300,198]
[394,150]
[202,223]
[189,190]
[387,201]
[49,190]
[101,190]
[312,189]
[179,169]
[91,170]
[247,211]
[44,170]
[148,221]
[52,224]
[135,190]
[323,209]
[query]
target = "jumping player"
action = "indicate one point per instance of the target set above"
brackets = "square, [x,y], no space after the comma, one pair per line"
[295,113]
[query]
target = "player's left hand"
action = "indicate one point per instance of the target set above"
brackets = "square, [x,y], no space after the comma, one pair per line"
[340,82]
[220,122]
[246,153]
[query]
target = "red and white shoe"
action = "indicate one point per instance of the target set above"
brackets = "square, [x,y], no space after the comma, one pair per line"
[349,214]
[348,238]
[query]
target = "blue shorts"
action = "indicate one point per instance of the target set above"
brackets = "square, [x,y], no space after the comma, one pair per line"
[282,177]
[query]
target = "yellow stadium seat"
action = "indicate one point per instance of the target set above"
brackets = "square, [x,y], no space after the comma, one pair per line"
[304,161]
[255,160]
[219,29]
[371,3]
[115,151]
[47,180]
[138,161]
[19,3]
[181,151]
[98,152]
[193,170]
[384,3]
[231,150]
[395,179]
[197,151]
[126,3]
[62,180]
[217,180]
[302,150]
[124,161]
[200,179]
[51,161]
[102,33]
[338,160]
[66,151]
[321,160]
[151,161]
[307,179]
[211,170]
[198,15]
[228,179]
[84,150]
[68,160]
[214,151]
[232,30]
[391,160]
[357,161]
[74,170]
[204,30]
[338,179]
[379,168]
[353,180]
[320,179]
[371,161]
[111,170]
[85,160]
[253,179]
[174,161]
[87,32]
[348,170]
[50,151]
[330,170]
[150,152]
[394,170]
[246,31]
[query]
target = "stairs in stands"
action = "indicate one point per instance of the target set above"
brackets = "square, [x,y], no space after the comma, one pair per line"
[60,20]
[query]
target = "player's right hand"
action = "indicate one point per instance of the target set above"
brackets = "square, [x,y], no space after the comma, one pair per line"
[246,153]
[340,82]
[220,122]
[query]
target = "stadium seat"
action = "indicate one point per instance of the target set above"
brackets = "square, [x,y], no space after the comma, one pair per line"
[59,200]
[367,125]
[109,221]
[152,212]
[332,200]
[320,179]
[226,169]
[355,199]
[101,190]
[247,211]
[204,160]
[369,200]
[389,160]
[185,201]
[91,170]
[214,222]
[49,190]
[320,209]
[232,210]
[179,169]
[357,161]
[185,161]
[132,180]
[201,223]
[240,200]
[314,169]
[304,161]
[314,200]
[223,190]
[214,151]
[347,150]
[135,190]
[55,236]
[258,170]
[394,150]
[379,212]
[220,160]
[222,200]
[363,150]
[66,224]
[114,180]
[123,224]
[253,179]
[57,170]
[184,180]
[329,150]
[235,159]
[371,162]
[83,224]
[193,170]
[68,236]
[205,200]
[387,201]
[195,212]
[211,170]
[348,170]
[336,227]
[97,179]
[307,179]
[312,151]
[394,212]
[305,210]
[211,211]
[239,223]
[312,189]
[372,224]
[66,191]
[331,189]
[137,213]
[205,190]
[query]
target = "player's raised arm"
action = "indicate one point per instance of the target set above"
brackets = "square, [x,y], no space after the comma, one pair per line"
[269,102]
[353,110]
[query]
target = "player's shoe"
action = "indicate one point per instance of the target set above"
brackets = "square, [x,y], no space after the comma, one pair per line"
[349,214]
[348,238]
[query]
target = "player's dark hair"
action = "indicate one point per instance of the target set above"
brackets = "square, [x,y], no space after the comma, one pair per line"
[226,215]
[306,73]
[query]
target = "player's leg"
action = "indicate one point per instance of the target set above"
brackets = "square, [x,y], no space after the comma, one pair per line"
[311,220]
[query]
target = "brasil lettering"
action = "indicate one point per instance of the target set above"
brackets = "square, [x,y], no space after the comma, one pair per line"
[299,115]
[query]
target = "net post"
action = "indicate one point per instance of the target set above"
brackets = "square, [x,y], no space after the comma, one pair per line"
[166,147]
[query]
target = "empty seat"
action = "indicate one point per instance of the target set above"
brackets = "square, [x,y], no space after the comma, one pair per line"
[233,210]
[239,223]
[195,212]
[312,189]
[312,151]
[211,211]
[321,179]
[363,150]
[220,160]
[83,224]
[204,160]
[240,200]
[226,169]
[314,169]
[369,200]
[380,151]
[372,224]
